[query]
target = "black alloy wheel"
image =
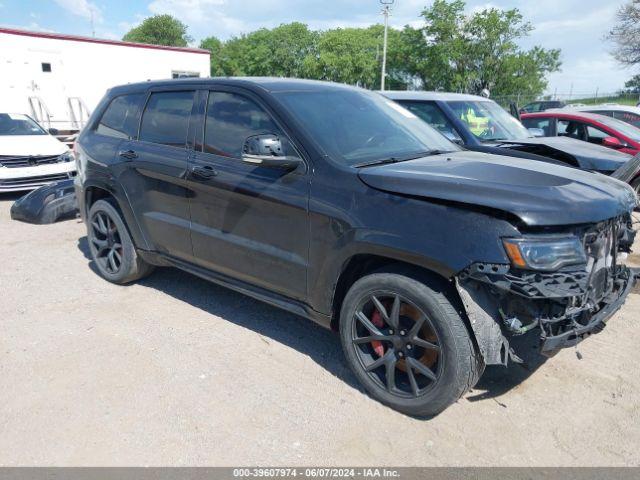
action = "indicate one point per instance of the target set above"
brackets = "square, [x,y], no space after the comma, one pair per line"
[112,249]
[107,242]
[397,345]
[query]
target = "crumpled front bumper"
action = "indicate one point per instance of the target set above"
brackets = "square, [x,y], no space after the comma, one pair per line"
[501,304]
[552,343]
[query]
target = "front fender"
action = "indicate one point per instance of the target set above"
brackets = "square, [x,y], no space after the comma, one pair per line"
[83,193]
[439,238]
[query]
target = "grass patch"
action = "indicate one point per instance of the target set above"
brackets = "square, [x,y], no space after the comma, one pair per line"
[620,99]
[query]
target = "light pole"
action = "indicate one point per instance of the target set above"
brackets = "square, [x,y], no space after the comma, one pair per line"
[386,7]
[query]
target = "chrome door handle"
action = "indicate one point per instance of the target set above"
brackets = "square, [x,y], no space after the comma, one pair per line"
[203,173]
[128,154]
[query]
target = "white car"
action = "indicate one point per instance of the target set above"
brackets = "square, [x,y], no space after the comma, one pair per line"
[626,113]
[29,156]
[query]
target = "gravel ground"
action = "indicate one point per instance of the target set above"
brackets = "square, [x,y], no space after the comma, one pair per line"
[177,371]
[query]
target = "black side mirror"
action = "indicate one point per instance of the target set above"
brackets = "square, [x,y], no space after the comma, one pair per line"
[53,131]
[268,150]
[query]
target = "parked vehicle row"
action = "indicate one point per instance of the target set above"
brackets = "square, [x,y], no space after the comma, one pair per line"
[344,207]
[482,125]
[626,113]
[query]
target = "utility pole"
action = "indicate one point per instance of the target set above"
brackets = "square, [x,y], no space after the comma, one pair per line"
[386,7]
[93,30]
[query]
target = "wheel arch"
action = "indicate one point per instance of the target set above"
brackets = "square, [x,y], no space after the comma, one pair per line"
[95,191]
[361,264]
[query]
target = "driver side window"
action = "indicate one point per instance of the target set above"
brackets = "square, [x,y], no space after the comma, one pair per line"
[595,135]
[230,120]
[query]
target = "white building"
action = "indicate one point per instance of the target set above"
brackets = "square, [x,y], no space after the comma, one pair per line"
[59,79]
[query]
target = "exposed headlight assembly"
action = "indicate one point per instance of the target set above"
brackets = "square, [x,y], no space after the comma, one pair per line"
[545,253]
[66,157]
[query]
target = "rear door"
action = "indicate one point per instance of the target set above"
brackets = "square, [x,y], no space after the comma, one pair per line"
[118,125]
[155,169]
[249,222]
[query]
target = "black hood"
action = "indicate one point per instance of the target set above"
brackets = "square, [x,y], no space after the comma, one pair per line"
[587,155]
[540,194]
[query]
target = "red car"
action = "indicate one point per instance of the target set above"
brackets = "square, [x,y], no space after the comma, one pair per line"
[590,127]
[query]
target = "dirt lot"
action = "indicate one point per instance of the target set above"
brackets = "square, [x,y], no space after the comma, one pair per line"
[177,371]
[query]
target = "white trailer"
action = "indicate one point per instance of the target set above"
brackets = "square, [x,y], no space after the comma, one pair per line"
[59,79]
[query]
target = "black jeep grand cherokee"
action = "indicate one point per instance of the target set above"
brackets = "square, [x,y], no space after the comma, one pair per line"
[339,205]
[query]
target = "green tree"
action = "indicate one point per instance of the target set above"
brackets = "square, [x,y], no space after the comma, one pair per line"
[281,52]
[452,51]
[633,85]
[434,53]
[626,34]
[348,55]
[458,52]
[160,30]
[216,48]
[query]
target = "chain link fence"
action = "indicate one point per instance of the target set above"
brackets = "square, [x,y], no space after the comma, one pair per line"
[577,99]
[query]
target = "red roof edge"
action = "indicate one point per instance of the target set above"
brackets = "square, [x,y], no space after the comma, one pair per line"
[77,38]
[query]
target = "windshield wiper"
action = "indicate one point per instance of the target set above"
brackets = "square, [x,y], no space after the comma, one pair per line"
[378,162]
[434,152]
[414,156]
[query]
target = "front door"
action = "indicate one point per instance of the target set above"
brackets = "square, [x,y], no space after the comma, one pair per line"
[248,222]
[156,169]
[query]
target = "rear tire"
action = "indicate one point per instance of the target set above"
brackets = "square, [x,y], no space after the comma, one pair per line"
[438,352]
[112,249]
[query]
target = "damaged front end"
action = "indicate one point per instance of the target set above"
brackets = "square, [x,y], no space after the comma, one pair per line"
[567,303]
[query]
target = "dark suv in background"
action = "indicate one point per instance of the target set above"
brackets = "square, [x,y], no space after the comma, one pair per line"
[542,106]
[339,205]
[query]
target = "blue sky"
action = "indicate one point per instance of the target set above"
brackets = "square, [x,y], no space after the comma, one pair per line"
[575,26]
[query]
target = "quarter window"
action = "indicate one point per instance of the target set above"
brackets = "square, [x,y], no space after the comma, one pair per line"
[166,118]
[120,119]
[431,113]
[231,119]
[628,117]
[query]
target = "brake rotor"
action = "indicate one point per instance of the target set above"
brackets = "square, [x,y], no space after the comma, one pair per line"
[428,358]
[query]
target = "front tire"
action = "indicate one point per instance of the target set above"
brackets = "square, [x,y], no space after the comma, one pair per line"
[111,246]
[407,344]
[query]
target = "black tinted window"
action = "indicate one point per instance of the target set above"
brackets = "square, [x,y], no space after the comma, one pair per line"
[121,117]
[628,117]
[166,118]
[231,119]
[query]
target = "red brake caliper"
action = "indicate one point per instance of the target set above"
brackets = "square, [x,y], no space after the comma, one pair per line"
[377,345]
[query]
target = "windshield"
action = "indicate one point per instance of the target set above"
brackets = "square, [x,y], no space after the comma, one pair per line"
[358,127]
[622,127]
[489,121]
[17,124]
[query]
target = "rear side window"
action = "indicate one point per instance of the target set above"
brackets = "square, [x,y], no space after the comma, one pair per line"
[608,113]
[629,117]
[543,123]
[120,119]
[166,118]
[231,119]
